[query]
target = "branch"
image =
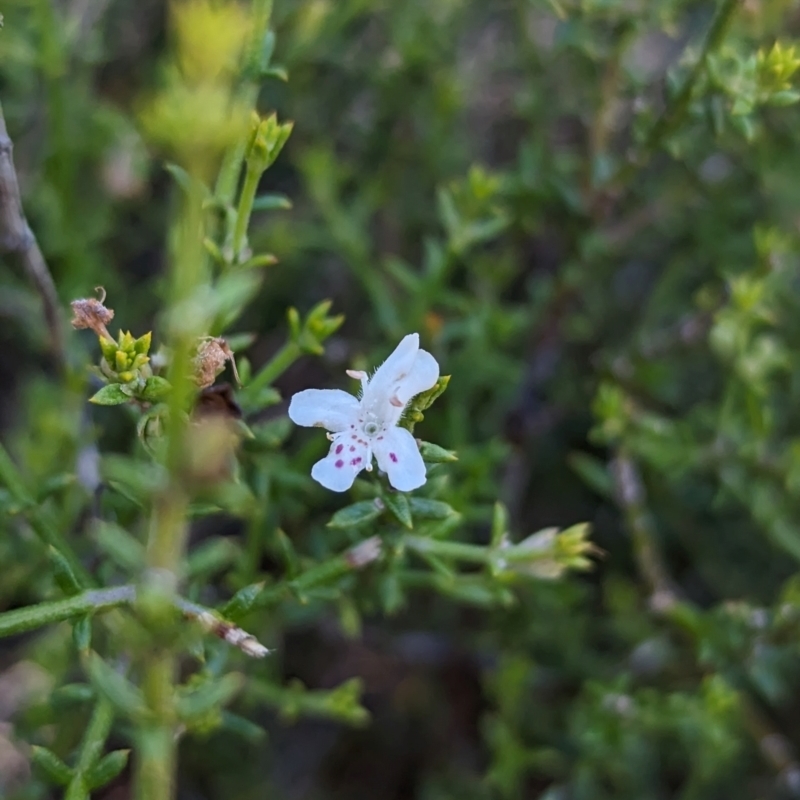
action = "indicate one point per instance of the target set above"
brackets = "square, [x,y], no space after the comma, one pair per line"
[632,500]
[97,600]
[676,110]
[667,601]
[17,238]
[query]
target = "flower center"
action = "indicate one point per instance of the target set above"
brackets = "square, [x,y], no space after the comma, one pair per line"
[371,428]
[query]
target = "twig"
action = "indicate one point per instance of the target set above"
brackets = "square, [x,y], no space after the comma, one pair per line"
[221,628]
[17,238]
[668,602]
[98,600]
[675,111]
[631,499]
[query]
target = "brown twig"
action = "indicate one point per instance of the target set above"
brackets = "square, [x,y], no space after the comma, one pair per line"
[17,238]
[667,599]
[631,499]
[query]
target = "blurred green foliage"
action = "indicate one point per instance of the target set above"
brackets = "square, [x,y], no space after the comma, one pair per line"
[588,209]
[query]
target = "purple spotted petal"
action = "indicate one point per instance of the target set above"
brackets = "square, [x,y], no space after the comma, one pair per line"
[399,457]
[338,470]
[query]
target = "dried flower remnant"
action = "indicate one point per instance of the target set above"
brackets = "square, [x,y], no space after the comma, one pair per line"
[219,400]
[232,634]
[90,313]
[365,552]
[210,448]
[369,425]
[212,354]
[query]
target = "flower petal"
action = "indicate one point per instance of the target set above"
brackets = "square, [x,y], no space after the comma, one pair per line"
[423,375]
[398,456]
[339,468]
[331,409]
[394,369]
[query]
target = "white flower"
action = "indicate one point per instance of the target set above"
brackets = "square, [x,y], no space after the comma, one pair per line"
[361,428]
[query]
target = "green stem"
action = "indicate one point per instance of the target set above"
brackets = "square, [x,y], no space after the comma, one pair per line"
[94,742]
[474,553]
[673,115]
[228,178]
[632,501]
[26,619]
[248,195]
[275,367]
[253,596]
[157,751]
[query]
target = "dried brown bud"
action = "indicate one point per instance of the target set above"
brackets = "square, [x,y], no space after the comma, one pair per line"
[218,399]
[210,449]
[212,353]
[91,313]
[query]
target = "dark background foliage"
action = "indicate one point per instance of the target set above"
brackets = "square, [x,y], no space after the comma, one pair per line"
[605,261]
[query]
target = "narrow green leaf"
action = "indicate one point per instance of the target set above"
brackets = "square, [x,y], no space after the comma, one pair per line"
[260,260]
[398,504]
[137,479]
[430,509]
[70,694]
[115,687]
[211,556]
[391,593]
[272,202]
[434,454]
[242,601]
[499,524]
[82,634]
[593,472]
[123,549]
[188,183]
[108,768]
[63,574]
[212,695]
[243,727]
[51,766]
[356,514]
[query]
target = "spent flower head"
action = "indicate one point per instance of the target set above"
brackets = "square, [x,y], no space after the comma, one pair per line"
[90,313]
[213,352]
[362,427]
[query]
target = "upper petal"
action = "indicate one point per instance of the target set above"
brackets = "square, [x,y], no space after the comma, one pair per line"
[423,375]
[331,409]
[394,369]
[344,461]
[399,457]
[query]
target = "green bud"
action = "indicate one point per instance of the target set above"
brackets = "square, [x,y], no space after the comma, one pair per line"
[109,349]
[126,341]
[142,346]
